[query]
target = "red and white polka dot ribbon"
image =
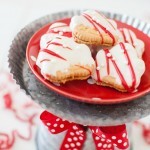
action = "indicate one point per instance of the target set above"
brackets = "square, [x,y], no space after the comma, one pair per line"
[105,138]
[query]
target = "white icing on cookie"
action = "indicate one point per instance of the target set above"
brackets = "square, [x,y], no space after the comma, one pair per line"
[61,53]
[59,27]
[94,20]
[128,36]
[54,31]
[124,62]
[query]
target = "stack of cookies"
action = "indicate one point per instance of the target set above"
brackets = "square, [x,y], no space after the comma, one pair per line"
[92,46]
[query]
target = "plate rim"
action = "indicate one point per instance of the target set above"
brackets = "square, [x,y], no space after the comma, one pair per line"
[75,97]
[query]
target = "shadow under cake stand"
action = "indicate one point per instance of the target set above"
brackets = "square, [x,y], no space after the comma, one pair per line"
[78,112]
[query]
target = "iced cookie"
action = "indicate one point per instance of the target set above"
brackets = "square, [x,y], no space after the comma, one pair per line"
[128,36]
[63,60]
[94,28]
[55,30]
[119,68]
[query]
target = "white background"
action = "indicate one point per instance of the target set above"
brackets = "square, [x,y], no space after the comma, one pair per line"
[15,14]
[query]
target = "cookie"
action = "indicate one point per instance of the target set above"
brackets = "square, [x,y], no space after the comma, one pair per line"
[128,36]
[62,60]
[54,31]
[94,28]
[119,68]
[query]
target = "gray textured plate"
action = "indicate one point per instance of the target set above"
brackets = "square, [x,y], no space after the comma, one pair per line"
[86,114]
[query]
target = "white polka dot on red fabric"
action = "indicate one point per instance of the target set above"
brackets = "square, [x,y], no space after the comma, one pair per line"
[93,131]
[80,137]
[113,137]
[69,140]
[125,144]
[75,149]
[102,140]
[124,135]
[119,141]
[71,133]
[81,131]
[99,144]
[72,145]
[53,130]
[48,124]
[115,144]
[109,146]
[97,138]
[78,144]
[108,141]
[96,130]
[75,138]
[57,119]
[77,133]
[66,145]
[55,125]
[75,127]
[103,136]
[62,126]
[105,145]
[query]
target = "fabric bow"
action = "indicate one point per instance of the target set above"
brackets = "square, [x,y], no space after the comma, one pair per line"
[105,138]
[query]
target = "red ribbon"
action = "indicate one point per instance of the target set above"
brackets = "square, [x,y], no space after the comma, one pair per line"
[105,138]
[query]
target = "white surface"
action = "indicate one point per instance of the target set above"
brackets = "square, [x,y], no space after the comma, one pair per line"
[15,14]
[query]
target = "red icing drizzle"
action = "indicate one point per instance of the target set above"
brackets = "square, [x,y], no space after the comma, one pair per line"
[44,60]
[52,53]
[48,44]
[102,27]
[67,34]
[130,66]
[87,17]
[124,83]
[131,39]
[59,44]
[105,18]
[124,37]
